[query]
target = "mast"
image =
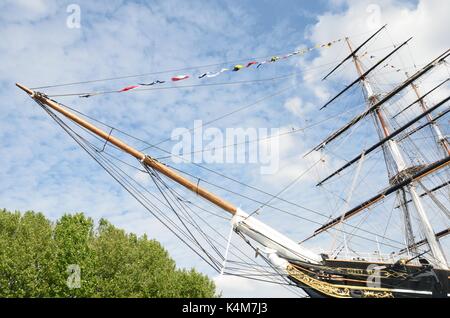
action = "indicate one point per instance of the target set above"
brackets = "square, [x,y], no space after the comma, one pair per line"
[398,185]
[421,97]
[438,187]
[366,73]
[439,235]
[413,131]
[441,58]
[441,140]
[279,244]
[386,139]
[400,166]
[354,52]
[409,233]
[380,120]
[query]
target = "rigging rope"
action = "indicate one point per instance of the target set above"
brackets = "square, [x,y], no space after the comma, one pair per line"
[235,68]
[96,154]
[134,88]
[259,190]
[272,278]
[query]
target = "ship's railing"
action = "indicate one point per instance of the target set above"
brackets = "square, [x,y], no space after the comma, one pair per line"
[368,257]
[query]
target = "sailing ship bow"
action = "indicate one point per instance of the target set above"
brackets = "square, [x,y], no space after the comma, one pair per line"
[278,244]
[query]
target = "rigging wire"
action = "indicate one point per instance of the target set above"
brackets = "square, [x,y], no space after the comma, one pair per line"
[262,80]
[284,189]
[70,131]
[135,196]
[256,140]
[288,212]
[261,202]
[303,218]
[173,70]
[218,263]
[180,86]
[151,73]
[155,174]
[150,145]
[93,154]
[197,165]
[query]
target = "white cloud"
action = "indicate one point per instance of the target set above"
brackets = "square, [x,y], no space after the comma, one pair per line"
[294,106]
[28,9]
[299,108]
[426,23]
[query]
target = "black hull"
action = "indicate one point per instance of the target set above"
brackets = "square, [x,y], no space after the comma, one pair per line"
[361,279]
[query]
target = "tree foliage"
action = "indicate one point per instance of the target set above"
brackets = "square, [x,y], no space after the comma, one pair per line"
[73,258]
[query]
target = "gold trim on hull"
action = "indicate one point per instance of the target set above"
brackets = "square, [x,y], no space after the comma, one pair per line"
[338,291]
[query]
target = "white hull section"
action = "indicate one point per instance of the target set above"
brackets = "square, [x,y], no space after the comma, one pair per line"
[272,239]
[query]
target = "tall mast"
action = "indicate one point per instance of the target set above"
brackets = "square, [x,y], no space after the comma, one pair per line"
[380,120]
[441,140]
[408,230]
[441,58]
[399,166]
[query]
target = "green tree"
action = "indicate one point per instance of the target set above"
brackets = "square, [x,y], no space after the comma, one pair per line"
[39,258]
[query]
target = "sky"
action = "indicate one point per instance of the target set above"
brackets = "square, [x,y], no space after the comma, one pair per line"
[43,170]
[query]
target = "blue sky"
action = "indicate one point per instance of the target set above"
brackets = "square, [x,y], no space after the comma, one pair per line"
[43,170]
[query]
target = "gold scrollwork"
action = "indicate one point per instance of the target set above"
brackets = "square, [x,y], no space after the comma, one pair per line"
[338,291]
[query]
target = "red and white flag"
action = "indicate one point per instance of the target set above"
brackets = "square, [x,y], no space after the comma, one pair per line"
[128,88]
[179,78]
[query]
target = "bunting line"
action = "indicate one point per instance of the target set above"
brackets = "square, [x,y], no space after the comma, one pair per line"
[211,74]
